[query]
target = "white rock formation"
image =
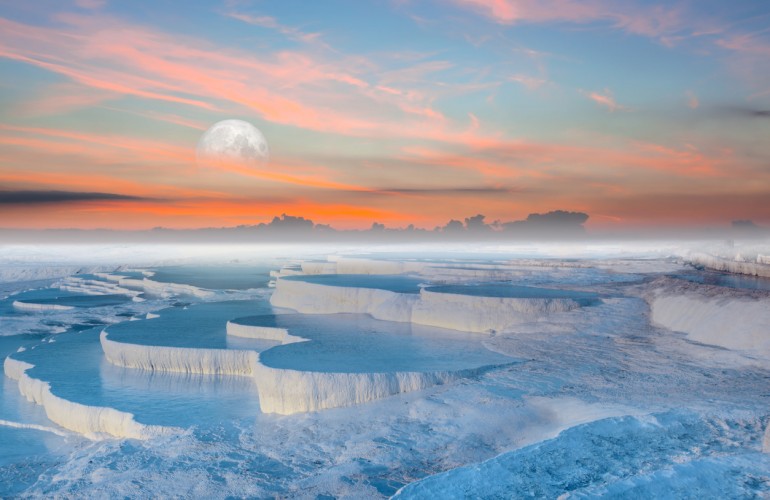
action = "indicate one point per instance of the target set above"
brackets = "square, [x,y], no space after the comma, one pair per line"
[157,288]
[312,298]
[291,391]
[95,287]
[482,314]
[736,264]
[735,319]
[95,422]
[178,359]
[312,267]
[160,289]
[280,391]
[459,312]
[281,335]
[20,305]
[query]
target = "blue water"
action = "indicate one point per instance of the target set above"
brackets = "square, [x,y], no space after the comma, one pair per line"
[89,311]
[494,434]
[137,275]
[438,257]
[513,291]
[726,279]
[227,277]
[357,343]
[153,397]
[393,283]
[198,325]
[25,453]
[80,300]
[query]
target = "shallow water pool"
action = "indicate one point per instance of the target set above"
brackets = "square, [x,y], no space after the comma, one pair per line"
[392,283]
[357,343]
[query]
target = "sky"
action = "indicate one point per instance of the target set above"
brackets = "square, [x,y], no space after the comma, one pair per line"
[641,114]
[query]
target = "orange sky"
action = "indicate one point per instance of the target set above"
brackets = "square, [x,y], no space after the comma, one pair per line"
[641,117]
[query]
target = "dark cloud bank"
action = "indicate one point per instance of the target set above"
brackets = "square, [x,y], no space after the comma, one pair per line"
[43,197]
[558,225]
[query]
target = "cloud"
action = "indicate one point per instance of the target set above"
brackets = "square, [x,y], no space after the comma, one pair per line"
[33,197]
[653,21]
[105,148]
[751,113]
[530,82]
[742,112]
[661,209]
[692,99]
[323,91]
[605,99]
[481,190]
[556,222]
[273,24]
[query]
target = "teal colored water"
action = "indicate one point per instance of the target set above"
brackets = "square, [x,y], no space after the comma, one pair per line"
[137,275]
[80,300]
[356,343]
[513,291]
[153,397]
[227,277]
[700,437]
[392,283]
[726,279]
[197,325]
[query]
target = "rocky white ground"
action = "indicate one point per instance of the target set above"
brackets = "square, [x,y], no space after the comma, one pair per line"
[645,375]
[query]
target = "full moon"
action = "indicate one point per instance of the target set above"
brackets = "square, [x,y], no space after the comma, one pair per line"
[233,141]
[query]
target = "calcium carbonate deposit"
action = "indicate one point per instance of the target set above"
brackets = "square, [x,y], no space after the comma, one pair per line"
[506,372]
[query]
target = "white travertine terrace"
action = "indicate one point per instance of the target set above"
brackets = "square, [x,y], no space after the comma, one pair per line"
[483,314]
[281,335]
[312,298]
[94,422]
[156,287]
[469,313]
[179,359]
[735,319]
[20,305]
[281,391]
[759,266]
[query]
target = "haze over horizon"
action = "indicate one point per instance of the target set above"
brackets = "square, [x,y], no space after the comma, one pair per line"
[641,114]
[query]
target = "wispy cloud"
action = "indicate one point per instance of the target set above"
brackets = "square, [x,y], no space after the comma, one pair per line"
[479,190]
[669,23]
[530,82]
[273,24]
[605,99]
[395,133]
[653,21]
[290,88]
[692,99]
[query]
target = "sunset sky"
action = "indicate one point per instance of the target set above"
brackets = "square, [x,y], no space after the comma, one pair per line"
[402,111]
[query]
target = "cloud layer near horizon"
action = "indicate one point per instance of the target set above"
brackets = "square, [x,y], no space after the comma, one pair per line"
[398,112]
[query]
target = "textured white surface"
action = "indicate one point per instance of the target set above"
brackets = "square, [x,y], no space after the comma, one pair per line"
[33,307]
[160,289]
[280,391]
[94,422]
[312,298]
[454,311]
[290,391]
[732,319]
[482,314]
[281,335]
[179,359]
